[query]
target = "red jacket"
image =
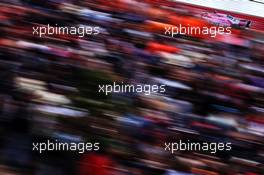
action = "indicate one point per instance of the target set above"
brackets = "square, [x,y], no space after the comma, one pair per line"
[96,164]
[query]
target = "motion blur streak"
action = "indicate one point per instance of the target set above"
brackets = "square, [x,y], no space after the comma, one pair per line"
[49,89]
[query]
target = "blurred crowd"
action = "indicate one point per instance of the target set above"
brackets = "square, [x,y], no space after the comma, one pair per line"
[49,90]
